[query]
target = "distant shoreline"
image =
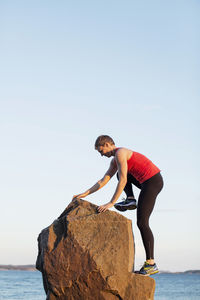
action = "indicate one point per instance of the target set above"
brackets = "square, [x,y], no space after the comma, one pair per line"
[18,268]
[33,268]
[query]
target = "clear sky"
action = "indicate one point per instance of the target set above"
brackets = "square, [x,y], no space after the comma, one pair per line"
[72,70]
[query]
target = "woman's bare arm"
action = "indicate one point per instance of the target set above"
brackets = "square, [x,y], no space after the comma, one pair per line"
[121,159]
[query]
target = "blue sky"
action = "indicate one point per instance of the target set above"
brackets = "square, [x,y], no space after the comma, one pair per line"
[72,70]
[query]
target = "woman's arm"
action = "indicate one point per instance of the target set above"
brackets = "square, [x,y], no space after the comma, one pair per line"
[121,160]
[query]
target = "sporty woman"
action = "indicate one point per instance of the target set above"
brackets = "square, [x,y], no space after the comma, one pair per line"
[131,168]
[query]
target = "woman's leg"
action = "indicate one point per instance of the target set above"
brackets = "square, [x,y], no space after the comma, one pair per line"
[129,203]
[150,190]
[128,188]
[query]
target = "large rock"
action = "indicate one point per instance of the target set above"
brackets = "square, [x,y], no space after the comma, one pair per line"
[85,255]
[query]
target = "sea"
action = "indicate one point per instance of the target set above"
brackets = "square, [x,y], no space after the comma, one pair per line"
[27,285]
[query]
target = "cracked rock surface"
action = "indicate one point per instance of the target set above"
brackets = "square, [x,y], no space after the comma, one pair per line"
[85,255]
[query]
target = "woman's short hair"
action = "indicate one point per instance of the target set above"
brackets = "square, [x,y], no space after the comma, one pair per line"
[102,139]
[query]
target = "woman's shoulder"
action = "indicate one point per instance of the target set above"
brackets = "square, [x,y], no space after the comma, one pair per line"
[124,151]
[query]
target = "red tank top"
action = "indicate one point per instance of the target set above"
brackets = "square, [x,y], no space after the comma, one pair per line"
[141,167]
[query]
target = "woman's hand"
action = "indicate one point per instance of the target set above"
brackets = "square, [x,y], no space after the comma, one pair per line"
[105,207]
[79,196]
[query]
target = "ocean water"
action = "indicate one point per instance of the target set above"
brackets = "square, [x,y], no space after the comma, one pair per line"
[27,285]
[177,286]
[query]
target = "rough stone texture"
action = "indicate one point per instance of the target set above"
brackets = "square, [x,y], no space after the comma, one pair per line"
[85,255]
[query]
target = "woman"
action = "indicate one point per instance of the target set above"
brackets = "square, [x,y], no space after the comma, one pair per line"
[131,168]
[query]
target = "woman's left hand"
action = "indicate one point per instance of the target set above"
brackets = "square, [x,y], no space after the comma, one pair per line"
[104,207]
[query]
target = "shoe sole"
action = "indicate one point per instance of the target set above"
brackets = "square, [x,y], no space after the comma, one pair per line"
[124,208]
[120,208]
[138,273]
[132,207]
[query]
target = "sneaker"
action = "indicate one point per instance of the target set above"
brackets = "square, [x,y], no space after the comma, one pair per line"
[148,269]
[128,203]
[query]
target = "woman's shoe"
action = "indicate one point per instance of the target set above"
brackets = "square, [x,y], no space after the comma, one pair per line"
[128,203]
[148,269]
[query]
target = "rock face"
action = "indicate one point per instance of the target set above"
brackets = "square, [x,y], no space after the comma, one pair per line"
[85,255]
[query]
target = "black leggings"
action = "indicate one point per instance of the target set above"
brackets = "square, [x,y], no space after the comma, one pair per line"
[146,201]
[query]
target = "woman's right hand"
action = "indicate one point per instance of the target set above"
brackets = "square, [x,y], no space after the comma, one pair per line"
[79,196]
